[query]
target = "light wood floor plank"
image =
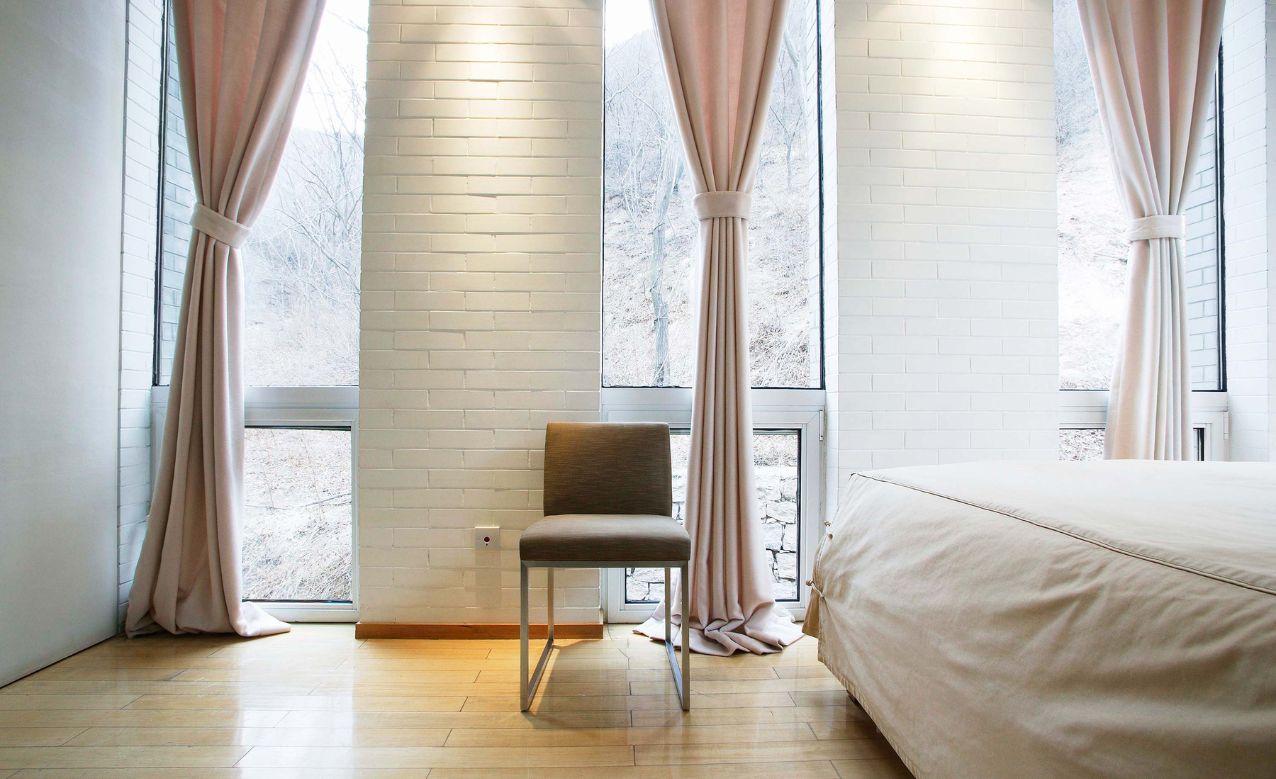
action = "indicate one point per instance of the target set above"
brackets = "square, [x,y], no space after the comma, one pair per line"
[120,757]
[275,665]
[37,737]
[253,737]
[803,672]
[462,719]
[641,718]
[220,773]
[137,718]
[301,676]
[295,702]
[668,700]
[800,684]
[138,688]
[23,702]
[890,768]
[837,697]
[703,672]
[720,734]
[430,757]
[816,769]
[225,773]
[763,752]
[61,672]
[466,689]
[847,728]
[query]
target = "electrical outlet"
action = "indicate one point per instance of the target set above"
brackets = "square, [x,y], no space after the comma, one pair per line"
[487,538]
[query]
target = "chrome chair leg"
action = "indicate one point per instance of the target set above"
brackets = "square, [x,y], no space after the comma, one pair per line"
[523,698]
[527,687]
[681,677]
[668,607]
[685,586]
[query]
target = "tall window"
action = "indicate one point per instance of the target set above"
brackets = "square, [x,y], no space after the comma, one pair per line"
[301,283]
[651,270]
[1092,225]
[649,228]
[301,261]
[1093,257]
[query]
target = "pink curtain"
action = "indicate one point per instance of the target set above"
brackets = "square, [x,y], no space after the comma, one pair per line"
[720,58]
[1153,65]
[242,67]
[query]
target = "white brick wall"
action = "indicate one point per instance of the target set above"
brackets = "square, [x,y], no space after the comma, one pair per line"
[1247,107]
[946,267]
[1200,264]
[832,334]
[137,306]
[176,208]
[481,272]
[1269,29]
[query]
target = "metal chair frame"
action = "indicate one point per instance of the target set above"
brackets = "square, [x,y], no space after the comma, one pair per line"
[527,686]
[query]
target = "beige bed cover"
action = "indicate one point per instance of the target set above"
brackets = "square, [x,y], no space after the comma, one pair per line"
[1058,619]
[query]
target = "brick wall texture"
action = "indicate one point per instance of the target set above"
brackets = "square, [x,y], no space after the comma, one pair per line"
[946,271]
[481,298]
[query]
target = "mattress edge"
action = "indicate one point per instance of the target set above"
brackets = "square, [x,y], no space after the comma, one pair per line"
[1112,546]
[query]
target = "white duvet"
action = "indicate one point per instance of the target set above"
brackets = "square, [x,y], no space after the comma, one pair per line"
[1058,619]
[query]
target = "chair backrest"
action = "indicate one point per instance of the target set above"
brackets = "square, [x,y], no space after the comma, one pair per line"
[607,468]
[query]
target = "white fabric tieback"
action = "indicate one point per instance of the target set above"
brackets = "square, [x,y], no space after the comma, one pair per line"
[1157,226]
[725,203]
[218,227]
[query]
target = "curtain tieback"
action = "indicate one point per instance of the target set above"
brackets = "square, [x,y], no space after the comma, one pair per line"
[1157,226]
[725,203]
[218,227]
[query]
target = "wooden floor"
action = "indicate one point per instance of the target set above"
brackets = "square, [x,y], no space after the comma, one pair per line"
[318,702]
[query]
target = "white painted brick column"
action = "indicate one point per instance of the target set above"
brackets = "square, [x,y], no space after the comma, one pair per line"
[481,296]
[947,326]
[137,285]
[832,332]
[1250,310]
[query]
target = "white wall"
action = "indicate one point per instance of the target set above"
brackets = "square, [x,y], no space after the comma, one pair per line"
[947,324]
[481,301]
[61,161]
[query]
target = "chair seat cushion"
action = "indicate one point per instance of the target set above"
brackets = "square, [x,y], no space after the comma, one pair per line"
[605,538]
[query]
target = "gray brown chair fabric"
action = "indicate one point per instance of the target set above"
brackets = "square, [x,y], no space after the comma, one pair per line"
[604,538]
[608,497]
[607,468]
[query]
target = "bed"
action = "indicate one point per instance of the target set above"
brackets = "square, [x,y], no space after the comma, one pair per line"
[1058,619]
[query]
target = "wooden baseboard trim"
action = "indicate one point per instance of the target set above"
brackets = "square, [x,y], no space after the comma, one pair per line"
[469,631]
